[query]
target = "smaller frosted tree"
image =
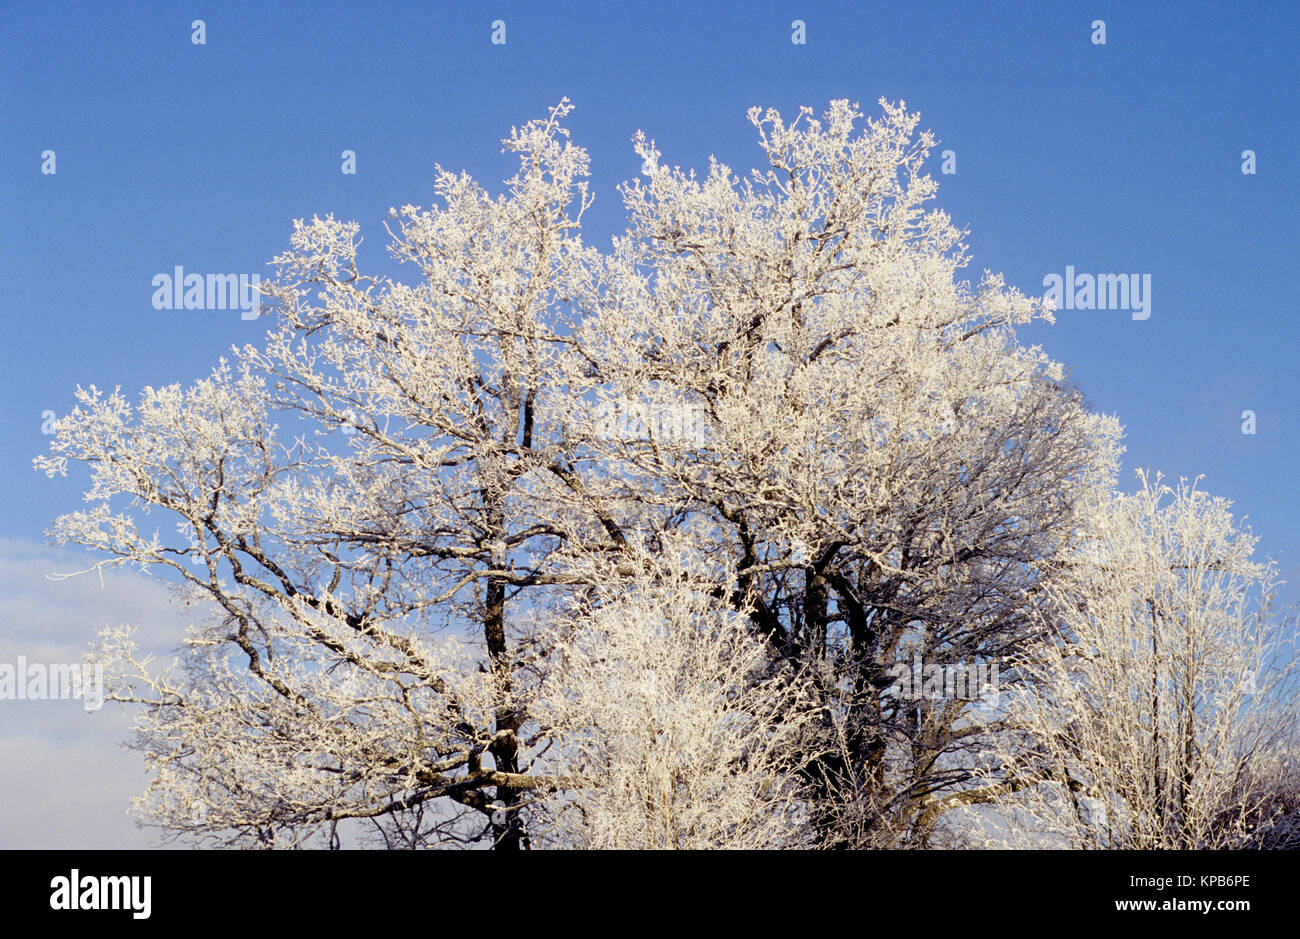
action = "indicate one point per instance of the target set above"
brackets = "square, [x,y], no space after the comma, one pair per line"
[1163,712]
[665,702]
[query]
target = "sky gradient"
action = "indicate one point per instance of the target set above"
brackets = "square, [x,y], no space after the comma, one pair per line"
[1123,157]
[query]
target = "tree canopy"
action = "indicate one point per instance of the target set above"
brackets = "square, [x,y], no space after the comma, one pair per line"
[554,545]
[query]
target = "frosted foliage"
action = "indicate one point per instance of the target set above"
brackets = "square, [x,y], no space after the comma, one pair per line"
[445,592]
[666,706]
[1164,708]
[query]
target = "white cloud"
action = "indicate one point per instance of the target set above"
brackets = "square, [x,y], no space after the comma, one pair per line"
[65,779]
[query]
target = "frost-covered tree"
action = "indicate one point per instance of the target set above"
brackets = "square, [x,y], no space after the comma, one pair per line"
[666,704]
[886,465]
[866,465]
[419,496]
[1163,712]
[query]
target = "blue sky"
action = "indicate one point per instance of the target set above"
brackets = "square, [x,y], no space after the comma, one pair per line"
[1116,158]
